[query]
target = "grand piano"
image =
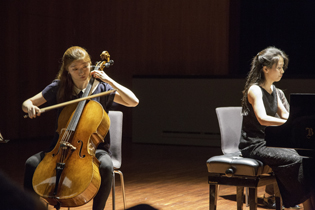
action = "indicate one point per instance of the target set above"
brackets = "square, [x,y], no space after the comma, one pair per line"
[299,130]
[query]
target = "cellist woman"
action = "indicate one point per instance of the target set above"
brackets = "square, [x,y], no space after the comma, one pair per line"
[73,78]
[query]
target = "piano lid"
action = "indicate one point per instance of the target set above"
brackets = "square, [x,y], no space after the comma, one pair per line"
[299,130]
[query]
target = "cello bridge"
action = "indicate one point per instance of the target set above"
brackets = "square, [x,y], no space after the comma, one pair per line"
[65,144]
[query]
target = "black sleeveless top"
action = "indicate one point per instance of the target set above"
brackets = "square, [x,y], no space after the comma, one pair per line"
[253,133]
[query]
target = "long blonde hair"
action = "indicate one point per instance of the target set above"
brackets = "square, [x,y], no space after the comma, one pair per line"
[74,53]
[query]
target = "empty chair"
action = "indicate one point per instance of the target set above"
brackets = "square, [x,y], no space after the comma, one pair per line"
[116,118]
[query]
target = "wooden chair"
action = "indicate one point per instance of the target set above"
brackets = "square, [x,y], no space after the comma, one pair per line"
[232,169]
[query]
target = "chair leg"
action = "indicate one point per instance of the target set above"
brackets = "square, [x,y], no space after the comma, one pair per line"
[122,186]
[278,203]
[239,197]
[113,191]
[277,196]
[213,188]
[253,198]
[246,198]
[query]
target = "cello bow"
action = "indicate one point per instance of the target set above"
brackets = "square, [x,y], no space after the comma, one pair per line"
[73,101]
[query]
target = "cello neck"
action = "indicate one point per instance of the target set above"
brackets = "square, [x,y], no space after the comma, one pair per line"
[76,116]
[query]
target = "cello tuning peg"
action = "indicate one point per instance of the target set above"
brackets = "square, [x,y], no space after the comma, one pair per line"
[109,64]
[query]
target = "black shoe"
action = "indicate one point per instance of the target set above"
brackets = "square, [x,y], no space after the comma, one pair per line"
[270,202]
[294,207]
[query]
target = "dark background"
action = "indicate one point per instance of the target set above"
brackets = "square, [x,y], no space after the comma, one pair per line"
[288,25]
[165,38]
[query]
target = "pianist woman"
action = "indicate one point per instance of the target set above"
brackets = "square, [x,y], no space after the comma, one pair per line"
[260,106]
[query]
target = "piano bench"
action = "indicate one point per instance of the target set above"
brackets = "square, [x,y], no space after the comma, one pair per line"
[240,172]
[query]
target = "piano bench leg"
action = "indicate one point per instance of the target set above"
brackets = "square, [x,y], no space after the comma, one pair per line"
[253,198]
[277,196]
[213,193]
[239,197]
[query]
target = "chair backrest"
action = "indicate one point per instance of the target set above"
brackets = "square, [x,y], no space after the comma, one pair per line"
[115,129]
[230,122]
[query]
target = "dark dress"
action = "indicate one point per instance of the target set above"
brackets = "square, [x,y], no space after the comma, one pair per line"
[287,164]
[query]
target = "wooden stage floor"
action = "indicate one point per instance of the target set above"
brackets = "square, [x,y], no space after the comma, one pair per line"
[163,177]
[169,178]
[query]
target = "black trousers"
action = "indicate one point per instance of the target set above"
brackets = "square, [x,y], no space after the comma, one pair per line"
[290,171]
[106,172]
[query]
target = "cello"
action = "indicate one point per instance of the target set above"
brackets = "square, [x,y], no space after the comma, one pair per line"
[68,176]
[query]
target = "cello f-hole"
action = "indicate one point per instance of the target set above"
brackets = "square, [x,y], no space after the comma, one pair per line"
[56,153]
[81,142]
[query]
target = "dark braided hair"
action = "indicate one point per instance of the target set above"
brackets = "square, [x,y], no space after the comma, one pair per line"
[267,57]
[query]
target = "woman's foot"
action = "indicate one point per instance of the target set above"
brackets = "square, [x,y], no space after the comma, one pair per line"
[296,207]
[270,202]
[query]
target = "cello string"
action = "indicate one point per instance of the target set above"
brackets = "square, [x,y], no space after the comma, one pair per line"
[75,119]
[65,138]
[62,156]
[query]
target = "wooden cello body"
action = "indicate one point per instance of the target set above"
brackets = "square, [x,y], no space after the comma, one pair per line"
[79,180]
[68,176]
